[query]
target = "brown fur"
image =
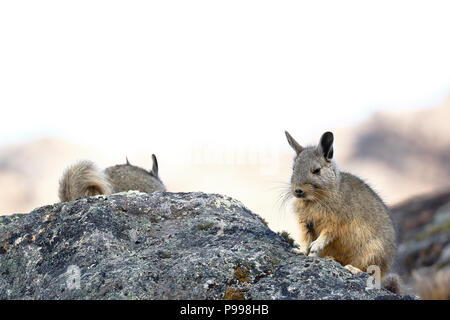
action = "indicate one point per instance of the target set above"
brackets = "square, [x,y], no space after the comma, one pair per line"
[85,179]
[126,177]
[350,222]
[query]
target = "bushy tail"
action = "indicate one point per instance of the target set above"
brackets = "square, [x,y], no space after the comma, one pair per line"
[83,179]
[393,283]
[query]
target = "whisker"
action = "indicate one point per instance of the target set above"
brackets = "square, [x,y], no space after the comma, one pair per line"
[319,196]
[281,186]
[283,198]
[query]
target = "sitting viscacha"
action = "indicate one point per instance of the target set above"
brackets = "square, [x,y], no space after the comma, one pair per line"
[340,217]
[85,179]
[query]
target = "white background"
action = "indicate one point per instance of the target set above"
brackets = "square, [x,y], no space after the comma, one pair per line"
[168,73]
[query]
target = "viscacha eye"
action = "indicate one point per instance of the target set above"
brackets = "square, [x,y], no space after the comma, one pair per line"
[316,171]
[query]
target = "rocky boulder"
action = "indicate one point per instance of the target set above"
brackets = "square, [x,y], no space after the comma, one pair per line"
[161,246]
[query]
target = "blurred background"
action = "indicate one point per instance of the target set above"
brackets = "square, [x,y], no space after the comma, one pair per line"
[210,87]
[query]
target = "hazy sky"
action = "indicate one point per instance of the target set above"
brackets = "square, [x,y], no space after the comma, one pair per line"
[172,73]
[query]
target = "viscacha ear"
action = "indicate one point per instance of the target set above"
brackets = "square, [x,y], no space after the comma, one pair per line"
[294,144]
[155,165]
[326,145]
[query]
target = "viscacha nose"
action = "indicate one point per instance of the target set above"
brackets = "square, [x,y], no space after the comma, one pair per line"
[299,193]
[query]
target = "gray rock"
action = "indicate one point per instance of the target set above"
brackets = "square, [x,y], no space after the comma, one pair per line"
[161,246]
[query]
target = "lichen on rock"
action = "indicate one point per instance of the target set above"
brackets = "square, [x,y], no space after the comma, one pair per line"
[161,246]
